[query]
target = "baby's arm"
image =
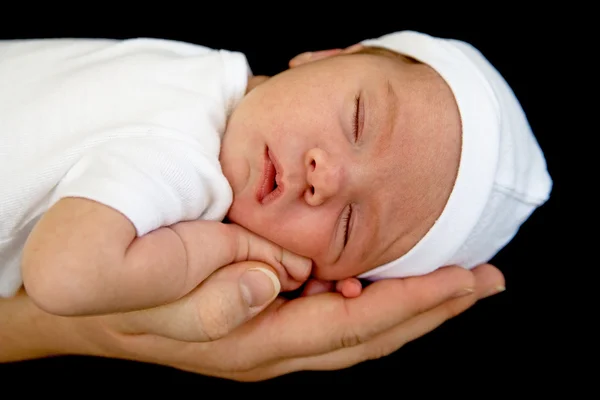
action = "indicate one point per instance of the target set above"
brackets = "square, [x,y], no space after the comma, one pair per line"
[84,258]
[110,240]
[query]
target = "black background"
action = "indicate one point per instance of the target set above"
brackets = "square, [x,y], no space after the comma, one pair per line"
[501,342]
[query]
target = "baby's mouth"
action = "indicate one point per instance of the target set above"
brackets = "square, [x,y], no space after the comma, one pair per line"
[268,188]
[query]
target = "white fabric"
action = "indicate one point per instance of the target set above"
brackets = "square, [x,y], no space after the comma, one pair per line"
[133,124]
[502,176]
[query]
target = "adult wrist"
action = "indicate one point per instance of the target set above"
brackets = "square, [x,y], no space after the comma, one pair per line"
[27,332]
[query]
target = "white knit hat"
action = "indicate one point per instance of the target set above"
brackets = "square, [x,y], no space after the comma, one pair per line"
[502,176]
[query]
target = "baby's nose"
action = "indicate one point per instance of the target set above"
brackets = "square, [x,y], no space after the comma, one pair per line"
[323,176]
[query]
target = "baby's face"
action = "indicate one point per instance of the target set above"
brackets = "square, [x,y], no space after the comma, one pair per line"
[348,160]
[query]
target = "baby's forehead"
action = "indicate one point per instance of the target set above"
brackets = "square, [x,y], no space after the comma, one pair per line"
[419,164]
[411,76]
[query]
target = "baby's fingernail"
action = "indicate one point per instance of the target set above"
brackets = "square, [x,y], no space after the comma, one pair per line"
[296,266]
[496,290]
[307,266]
[464,292]
[259,286]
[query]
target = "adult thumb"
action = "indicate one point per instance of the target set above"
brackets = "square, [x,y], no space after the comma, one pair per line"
[259,287]
[225,300]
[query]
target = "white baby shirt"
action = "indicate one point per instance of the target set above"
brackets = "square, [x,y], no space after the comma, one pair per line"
[134,124]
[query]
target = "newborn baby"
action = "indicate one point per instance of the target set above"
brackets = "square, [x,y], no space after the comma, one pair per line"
[392,158]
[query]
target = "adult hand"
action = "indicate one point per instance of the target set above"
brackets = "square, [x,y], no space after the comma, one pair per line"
[221,303]
[319,332]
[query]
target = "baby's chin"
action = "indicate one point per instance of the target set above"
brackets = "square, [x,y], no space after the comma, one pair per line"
[231,219]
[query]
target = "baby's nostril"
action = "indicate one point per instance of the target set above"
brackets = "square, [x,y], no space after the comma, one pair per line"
[312,189]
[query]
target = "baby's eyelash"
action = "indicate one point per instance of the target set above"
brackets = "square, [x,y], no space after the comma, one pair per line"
[356,116]
[346,224]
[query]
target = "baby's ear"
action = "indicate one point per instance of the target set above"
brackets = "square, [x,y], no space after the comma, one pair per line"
[310,56]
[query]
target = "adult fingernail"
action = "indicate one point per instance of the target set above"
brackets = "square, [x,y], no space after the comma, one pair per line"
[301,58]
[464,292]
[495,290]
[304,56]
[259,286]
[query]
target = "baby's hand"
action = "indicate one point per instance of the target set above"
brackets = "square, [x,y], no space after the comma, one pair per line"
[293,270]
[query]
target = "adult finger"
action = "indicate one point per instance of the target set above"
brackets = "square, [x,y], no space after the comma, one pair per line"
[224,301]
[312,56]
[489,280]
[400,299]
[319,324]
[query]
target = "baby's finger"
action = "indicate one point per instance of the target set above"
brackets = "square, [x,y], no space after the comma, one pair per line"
[315,286]
[349,288]
[292,269]
[297,266]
